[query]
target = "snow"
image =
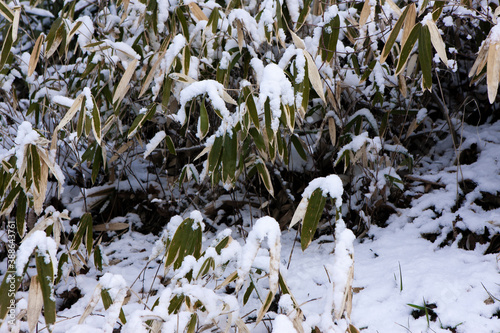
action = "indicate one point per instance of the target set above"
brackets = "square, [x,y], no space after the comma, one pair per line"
[275,86]
[154,142]
[282,324]
[26,135]
[45,246]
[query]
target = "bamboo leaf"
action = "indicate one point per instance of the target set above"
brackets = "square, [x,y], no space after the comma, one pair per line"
[492,71]
[365,13]
[197,12]
[437,41]
[393,35]
[265,177]
[191,327]
[15,22]
[96,122]
[215,152]
[332,131]
[6,11]
[313,213]
[21,213]
[35,54]
[7,45]
[408,47]
[409,22]
[314,76]
[229,156]
[425,57]
[265,307]
[203,120]
[45,276]
[35,303]
[123,86]
[299,146]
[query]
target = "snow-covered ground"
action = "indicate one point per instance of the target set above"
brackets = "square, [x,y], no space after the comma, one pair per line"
[396,269]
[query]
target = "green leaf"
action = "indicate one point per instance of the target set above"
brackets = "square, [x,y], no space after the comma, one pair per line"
[268,119]
[204,124]
[182,20]
[408,47]
[9,201]
[437,9]
[170,145]
[425,57]
[82,229]
[21,213]
[45,272]
[186,241]
[222,244]
[252,109]
[229,156]
[215,152]
[7,45]
[175,303]
[208,264]
[106,298]
[191,327]
[299,146]
[6,11]
[330,36]
[64,259]
[393,35]
[314,211]
[258,139]
[8,291]
[248,292]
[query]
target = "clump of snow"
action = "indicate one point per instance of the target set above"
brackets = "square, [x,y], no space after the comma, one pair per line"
[45,246]
[283,324]
[26,135]
[275,86]
[264,227]
[155,141]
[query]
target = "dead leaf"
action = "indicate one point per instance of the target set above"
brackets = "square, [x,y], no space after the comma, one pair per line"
[35,303]
[123,86]
[365,13]
[35,54]
[314,76]
[197,12]
[492,71]
[437,41]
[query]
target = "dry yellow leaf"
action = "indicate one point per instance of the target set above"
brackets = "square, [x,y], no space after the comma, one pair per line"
[480,62]
[35,54]
[437,41]
[409,22]
[197,12]
[92,304]
[35,303]
[123,86]
[111,226]
[492,71]
[241,37]
[39,196]
[15,22]
[297,41]
[332,130]
[314,76]
[394,7]
[365,13]
[151,73]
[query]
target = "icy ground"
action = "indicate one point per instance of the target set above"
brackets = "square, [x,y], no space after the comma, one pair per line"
[394,266]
